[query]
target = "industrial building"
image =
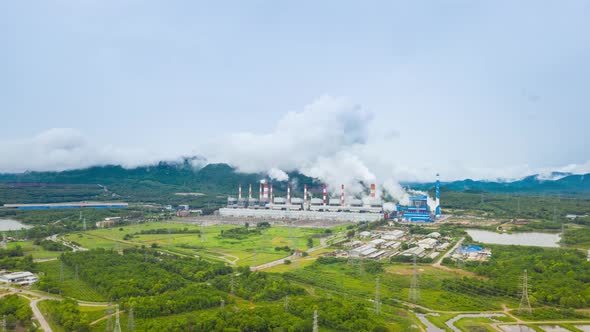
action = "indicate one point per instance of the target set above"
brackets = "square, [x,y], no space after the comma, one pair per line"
[74,205]
[418,209]
[19,278]
[305,208]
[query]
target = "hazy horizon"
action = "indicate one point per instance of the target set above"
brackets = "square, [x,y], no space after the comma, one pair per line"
[389,90]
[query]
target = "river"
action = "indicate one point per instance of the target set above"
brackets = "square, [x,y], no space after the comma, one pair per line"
[536,239]
[11,225]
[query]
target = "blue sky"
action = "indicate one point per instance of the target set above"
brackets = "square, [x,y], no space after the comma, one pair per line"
[465,88]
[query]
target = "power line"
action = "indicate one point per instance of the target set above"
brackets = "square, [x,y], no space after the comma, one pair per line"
[377,297]
[117,321]
[525,304]
[414,290]
[130,320]
[315,321]
[286,303]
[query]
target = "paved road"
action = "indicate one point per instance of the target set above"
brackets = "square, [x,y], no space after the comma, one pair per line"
[451,251]
[36,312]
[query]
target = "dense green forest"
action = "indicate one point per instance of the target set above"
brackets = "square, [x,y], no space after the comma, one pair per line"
[156,285]
[16,311]
[557,277]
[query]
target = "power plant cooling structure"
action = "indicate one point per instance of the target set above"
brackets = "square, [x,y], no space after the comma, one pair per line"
[437,208]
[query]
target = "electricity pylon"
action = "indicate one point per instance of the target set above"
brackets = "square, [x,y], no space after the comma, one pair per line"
[414,289]
[117,321]
[130,320]
[315,321]
[377,298]
[525,304]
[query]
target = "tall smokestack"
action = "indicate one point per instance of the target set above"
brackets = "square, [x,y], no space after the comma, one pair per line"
[250,192]
[288,194]
[437,208]
[372,190]
[324,195]
[342,196]
[271,193]
[265,191]
[304,196]
[240,191]
[260,192]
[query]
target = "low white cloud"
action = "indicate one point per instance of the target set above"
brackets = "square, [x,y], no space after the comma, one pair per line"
[60,149]
[277,174]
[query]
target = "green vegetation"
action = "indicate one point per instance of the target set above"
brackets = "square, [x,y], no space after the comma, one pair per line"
[16,310]
[71,286]
[557,277]
[65,315]
[15,259]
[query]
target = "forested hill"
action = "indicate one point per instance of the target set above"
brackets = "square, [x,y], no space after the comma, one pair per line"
[209,185]
[534,184]
[159,183]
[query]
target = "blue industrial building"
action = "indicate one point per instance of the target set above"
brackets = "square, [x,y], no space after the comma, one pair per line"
[418,210]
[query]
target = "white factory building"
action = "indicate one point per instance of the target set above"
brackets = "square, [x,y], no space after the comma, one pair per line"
[19,278]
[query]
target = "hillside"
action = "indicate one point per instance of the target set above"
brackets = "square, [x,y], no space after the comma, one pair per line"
[156,183]
[571,185]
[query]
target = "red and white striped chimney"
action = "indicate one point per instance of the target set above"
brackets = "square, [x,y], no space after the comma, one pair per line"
[250,191]
[265,191]
[372,190]
[324,195]
[342,195]
[271,193]
[304,196]
[240,191]
[288,194]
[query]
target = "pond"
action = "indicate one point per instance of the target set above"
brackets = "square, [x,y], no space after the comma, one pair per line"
[536,239]
[11,225]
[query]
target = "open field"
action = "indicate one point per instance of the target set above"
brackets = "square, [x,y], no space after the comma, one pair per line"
[256,249]
[72,286]
[36,251]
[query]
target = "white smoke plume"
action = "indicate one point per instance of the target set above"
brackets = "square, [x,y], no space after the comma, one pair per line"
[326,140]
[277,174]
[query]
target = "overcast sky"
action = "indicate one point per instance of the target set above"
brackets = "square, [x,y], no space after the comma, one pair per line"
[402,89]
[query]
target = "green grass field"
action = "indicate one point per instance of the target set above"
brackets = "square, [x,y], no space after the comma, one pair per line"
[254,250]
[36,251]
[72,287]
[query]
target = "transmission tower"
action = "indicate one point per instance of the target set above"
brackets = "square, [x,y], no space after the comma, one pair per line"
[4,244]
[130,320]
[315,321]
[414,289]
[3,324]
[109,326]
[231,284]
[525,304]
[460,262]
[518,207]
[84,222]
[222,305]
[286,303]
[117,321]
[77,273]
[377,297]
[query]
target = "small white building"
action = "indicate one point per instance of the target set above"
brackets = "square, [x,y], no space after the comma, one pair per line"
[20,278]
[418,251]
[365,234]
[393,235]
[377,242]
[434,235]
[428,243]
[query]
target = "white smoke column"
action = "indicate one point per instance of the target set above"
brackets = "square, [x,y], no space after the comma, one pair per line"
[396,191]
[277,174]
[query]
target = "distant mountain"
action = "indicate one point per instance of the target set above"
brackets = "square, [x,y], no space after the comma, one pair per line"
[162,182]
[155,183]
[554,183]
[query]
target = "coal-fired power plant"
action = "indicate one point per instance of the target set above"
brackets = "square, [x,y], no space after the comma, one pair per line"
[337,207]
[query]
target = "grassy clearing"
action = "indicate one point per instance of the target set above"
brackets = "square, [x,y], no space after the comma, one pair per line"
[72,287]
[475,324]
[256,249]
[44,307]
[395,285]
[36,251]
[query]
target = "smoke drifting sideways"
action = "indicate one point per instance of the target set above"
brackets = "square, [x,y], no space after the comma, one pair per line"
[327,140]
